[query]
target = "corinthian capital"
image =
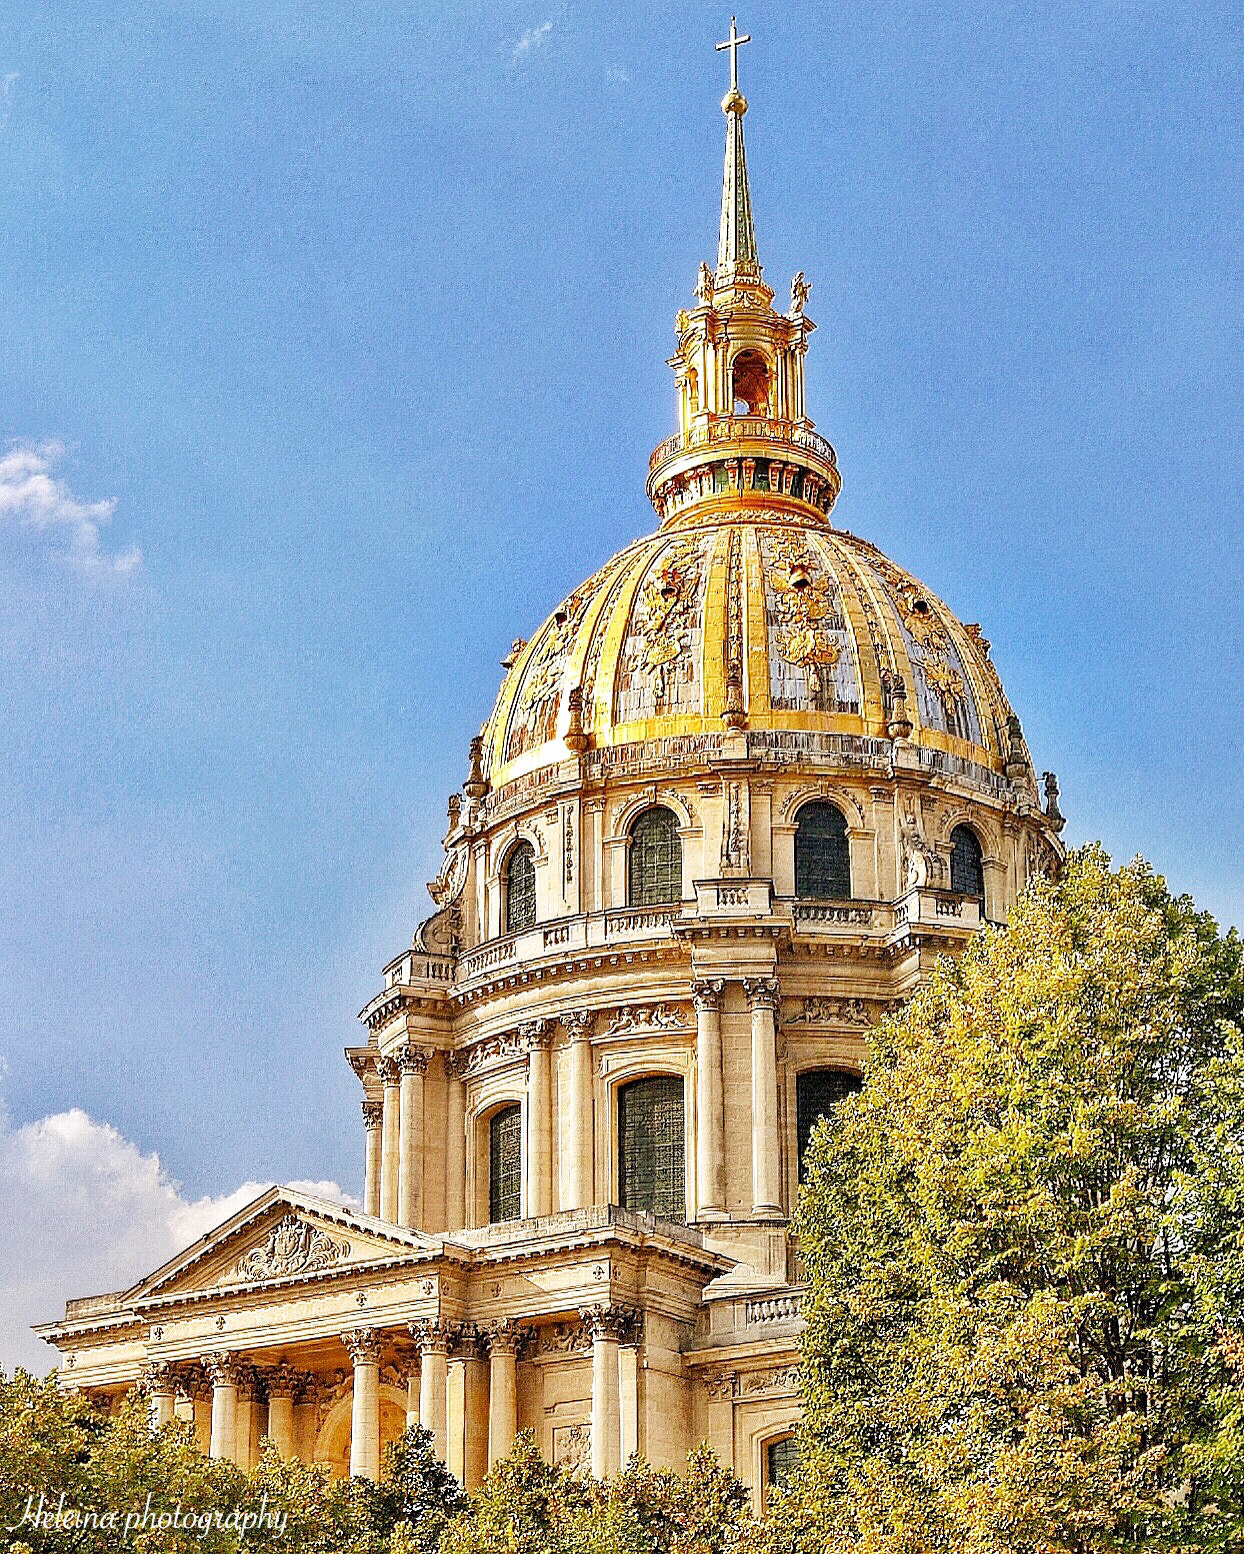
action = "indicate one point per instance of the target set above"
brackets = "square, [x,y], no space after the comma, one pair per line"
[536,1034]
[373,1113]
[604,1321]
[363,1344]
[433,1337]
[762,992]
[158,1377]
[224,1368]
[412,1061]
[706,994]
[388,1071]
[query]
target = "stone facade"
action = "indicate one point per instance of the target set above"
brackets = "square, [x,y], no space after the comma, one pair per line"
[742,666]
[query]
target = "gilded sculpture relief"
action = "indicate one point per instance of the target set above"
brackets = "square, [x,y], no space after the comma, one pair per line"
[807,629]
[657,669]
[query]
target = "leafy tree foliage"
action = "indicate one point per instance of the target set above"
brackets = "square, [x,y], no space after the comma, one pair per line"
[1025,1246]
[529,1506]
[55,1445]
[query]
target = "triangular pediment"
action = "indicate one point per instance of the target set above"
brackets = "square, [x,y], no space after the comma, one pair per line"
[283,1236]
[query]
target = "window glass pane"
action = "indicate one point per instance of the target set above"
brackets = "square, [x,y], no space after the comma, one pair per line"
[505,1165]
[650,1164]
[967,868]
[783,1459]
[817,1092]
[520,889]
[655,859]
[822,854]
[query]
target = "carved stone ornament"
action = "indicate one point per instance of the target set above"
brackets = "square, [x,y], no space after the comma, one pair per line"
[564,1338]
[293,1246]
[373,1114]
[833,1011]
[651,1017]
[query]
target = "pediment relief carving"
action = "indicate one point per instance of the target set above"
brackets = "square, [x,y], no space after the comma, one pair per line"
[293,1246]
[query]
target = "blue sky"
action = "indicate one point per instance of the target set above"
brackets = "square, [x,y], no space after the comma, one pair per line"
[333,352]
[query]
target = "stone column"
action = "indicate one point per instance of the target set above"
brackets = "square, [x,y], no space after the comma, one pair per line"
[455,1146]
[762,999]
[413,1065]
[503,1342]
[606,1325]
[373,1117]
[579,1124]
[161,1389]
[223,1370]
[411,1358]
[539,1119]
[364,1347]
[282,1383]
[391,1079]
[433,1339]
[710,1106]
[475,1420]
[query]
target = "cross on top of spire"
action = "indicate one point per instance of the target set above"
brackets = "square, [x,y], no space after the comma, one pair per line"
[734,43]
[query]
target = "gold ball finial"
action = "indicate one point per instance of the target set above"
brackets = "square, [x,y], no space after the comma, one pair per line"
[734,102]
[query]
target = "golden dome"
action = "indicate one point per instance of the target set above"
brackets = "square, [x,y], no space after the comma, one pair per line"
[821,633]
[746,610]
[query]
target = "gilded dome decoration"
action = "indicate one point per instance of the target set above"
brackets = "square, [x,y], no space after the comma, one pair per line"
[830,631]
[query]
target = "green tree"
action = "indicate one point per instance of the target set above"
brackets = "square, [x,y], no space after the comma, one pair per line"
[57,1452]
[529,1506]
[1025,1247]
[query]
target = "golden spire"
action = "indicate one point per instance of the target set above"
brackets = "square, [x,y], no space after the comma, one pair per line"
[736,244]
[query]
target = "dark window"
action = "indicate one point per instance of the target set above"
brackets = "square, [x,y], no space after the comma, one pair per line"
[505,1165]
[520,888]
[650,1161]
[822,854]
[817,1092]
[655,859]
[967,870]
[781,1461]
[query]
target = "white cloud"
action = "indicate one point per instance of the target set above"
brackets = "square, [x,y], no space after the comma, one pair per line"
[33,497]
[7,82]
[86,1213]
[531,39]
[618,75]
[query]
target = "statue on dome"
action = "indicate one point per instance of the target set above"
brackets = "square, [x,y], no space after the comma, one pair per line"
[704,286]
[800,291]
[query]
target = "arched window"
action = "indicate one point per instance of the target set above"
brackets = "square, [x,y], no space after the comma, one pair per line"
[822,854]
[505,1164]
[750,383]
[520,887]
[781,1461]
[817,1092]
[650,1152]
[967,868]
[655,859]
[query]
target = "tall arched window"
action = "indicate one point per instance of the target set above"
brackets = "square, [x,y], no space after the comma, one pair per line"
[655,859]
[781,1462]
[505,1164]
[822,854]
[650,1147]
[520,887]
[817,1092]
[967,868]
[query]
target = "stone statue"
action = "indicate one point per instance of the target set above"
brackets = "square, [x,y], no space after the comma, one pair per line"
[704,286]
[800,290]
[921,864]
